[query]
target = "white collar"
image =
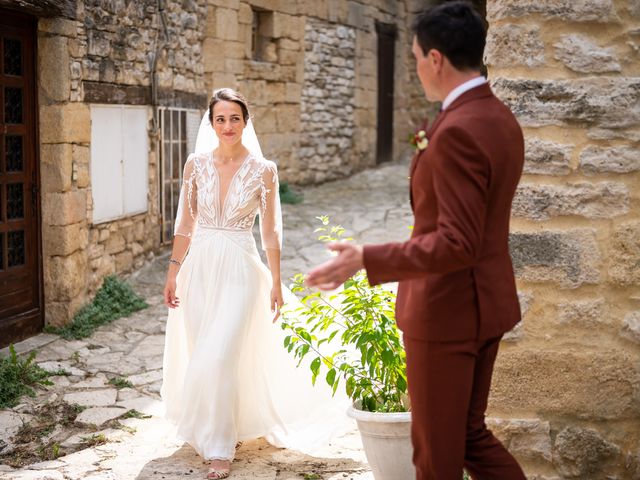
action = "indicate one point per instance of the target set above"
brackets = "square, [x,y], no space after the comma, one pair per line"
[462,88]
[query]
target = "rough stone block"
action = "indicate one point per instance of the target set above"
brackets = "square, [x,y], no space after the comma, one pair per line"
[54,73]
[56,167]
[547,158]
[580,54]
[64,240]
[585,313]
[337,11]
[226,24]
[81,172]
[115,243]
[568,258]
[65,277]
[58,314]
[631,326]
[607,102]
[124,261]
[600,200]
[356,16]
[509,45]
[67,123]
[573,10]
[288,118]
[245,14]
[609,160]
[93,398]
[527,439]
[99,415]
[59,26]
[64,208]
[582,453]
[592,384]
[624,254]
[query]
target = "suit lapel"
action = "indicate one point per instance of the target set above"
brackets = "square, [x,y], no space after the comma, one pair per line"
[480,91]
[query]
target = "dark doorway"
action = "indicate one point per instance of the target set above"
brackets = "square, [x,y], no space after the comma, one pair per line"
[20,260]
[386,71]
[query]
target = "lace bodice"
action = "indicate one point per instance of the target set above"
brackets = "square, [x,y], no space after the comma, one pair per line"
[252,190]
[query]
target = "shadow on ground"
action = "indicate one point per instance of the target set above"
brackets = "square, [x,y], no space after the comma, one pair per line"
[256,459]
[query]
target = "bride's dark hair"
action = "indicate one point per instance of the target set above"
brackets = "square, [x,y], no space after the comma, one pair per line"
[229,95]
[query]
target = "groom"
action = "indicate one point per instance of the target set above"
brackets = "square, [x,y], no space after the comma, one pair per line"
[457,293]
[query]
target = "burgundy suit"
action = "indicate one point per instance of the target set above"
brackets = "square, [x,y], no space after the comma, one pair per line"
[457,293]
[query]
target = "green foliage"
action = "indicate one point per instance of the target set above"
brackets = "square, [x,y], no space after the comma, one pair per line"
[350,337]
[18,376]
[94,440]
[311,476]
[120,382]
[287,195]
[115,299]
[135,414]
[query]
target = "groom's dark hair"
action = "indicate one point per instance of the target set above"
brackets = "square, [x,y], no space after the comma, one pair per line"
[456,30]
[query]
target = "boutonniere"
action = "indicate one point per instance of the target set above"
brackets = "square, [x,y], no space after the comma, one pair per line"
[419,140]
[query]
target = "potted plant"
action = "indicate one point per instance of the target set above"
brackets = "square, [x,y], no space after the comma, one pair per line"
[352,339]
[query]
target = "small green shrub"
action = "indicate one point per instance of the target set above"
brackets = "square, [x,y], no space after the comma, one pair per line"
[114,300]
[18,376]
[287,195]
[367,354]
[120,382]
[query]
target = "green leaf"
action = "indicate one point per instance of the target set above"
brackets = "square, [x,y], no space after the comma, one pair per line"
[331,376]
[315,366]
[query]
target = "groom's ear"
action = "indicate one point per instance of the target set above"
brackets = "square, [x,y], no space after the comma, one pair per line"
[435,58]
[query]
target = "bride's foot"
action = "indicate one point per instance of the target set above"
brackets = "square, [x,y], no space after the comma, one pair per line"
[219,469]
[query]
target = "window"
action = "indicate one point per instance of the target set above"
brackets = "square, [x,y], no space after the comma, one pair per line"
[119,161]
[263,47]
[178,132]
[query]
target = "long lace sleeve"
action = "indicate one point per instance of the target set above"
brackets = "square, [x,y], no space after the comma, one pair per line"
[270,211]
[187,215]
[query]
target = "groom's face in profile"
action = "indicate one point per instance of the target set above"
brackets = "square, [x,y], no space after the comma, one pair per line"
[428,66]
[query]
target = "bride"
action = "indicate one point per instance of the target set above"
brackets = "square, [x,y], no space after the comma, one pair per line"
[226,375]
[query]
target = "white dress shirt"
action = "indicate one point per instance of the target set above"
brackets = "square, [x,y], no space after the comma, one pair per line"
[460,89]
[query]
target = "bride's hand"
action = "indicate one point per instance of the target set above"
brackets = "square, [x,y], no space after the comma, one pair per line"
[169,292]
[276,301]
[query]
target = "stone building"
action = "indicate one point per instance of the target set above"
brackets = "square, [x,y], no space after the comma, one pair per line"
[101,100]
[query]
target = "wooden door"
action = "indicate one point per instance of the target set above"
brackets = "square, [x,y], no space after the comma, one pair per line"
[386,72]
[20,260]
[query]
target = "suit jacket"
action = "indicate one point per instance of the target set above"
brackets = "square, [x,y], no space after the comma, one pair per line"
[455,272]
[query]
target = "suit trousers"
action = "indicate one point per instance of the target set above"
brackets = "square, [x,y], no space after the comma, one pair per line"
[449,386]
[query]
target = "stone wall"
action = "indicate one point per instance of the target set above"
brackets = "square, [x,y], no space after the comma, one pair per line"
[327,103]
[107,55]
[566,394]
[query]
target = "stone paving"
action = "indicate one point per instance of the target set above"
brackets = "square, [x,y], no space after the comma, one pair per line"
[372,206]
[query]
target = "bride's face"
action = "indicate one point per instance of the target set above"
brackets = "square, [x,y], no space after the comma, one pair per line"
[228,122]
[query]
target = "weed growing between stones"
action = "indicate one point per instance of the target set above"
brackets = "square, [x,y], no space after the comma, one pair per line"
[135,414]
[94,440]
[18,376]
[120,382]
[114,299]
[35,441]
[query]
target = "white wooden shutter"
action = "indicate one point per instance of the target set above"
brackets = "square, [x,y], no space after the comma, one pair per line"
[119,161]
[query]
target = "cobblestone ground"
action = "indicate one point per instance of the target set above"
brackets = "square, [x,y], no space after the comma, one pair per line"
[372,206]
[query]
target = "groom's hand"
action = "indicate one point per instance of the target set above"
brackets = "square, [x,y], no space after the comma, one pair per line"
[335,272]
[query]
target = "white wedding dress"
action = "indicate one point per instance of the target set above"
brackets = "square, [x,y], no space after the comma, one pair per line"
[227,376]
